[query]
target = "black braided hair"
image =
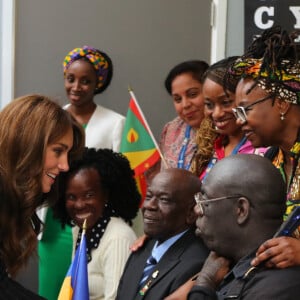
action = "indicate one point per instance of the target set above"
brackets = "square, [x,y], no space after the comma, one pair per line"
[278,55]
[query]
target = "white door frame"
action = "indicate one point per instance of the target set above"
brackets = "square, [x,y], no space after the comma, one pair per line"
[8,51]
[218,29]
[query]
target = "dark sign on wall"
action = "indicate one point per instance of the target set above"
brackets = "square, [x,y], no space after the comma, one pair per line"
[263,14]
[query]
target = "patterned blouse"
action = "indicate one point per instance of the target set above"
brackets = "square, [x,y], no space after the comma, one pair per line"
[293,186]
[172,140]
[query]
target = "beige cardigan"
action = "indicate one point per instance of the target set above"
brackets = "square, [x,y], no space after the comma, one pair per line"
[108,260]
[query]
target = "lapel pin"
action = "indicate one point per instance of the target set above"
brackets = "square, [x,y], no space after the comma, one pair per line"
[154,275]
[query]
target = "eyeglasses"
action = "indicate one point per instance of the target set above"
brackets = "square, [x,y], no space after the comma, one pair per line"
[199,199]
[240,112]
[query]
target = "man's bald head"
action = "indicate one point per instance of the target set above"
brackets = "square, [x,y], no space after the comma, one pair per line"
[252,176]
[181,181]
[249,195]
[169,203]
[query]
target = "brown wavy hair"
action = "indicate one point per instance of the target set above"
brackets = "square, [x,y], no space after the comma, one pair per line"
[205,137]
[27,126]
[206,134]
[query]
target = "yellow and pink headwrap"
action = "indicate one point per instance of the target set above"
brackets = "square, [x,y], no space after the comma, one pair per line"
[282,80]
[99,60]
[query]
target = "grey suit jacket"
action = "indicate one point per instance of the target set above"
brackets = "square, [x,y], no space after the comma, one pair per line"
[182,260]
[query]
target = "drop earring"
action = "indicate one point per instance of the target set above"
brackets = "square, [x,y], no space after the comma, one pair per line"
[282,116]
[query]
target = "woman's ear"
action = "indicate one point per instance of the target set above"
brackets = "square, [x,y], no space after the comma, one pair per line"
[283,106]
[242,210]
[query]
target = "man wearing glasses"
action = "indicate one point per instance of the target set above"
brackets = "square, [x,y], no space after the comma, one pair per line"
[240,206]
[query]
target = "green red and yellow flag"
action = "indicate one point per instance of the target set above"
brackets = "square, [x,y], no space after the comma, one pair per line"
[138,144]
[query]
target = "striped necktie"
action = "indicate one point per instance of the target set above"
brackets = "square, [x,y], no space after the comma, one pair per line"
[150,264]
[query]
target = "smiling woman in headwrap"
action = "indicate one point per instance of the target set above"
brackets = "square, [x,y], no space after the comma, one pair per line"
[87,72]
[268,109]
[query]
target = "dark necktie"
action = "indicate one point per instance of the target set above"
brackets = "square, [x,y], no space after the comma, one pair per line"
[150,264]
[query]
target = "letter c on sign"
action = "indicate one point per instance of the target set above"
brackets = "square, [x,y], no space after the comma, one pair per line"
[258,17]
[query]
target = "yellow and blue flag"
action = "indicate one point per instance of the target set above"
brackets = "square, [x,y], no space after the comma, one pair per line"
[75,285]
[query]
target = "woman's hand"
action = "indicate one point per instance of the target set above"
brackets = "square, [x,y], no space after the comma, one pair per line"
[281,252]
[139,243]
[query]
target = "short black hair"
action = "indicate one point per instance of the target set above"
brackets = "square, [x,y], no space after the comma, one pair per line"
[194,67]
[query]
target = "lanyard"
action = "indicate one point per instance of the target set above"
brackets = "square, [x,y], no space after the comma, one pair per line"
[213,160]
[180,164]
[238,146]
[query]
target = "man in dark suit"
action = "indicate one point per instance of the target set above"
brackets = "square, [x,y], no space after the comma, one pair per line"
[240,207]
[176,253]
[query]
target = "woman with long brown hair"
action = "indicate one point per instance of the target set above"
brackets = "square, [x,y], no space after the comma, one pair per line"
[219,136]
[37,139]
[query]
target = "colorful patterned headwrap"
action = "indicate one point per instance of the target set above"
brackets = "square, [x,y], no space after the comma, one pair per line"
[283,80]
[100,61]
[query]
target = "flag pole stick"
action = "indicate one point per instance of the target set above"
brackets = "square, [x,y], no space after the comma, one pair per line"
[147,127]
[84,227]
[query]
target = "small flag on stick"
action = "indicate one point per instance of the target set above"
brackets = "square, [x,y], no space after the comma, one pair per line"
[75,285]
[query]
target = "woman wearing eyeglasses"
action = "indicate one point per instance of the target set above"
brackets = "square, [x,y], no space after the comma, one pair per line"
[268,109]
[219,135]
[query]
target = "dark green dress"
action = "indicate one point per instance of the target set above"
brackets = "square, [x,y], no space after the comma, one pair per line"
[55,253]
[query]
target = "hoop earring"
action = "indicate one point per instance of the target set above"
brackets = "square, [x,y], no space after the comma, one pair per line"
[282,116]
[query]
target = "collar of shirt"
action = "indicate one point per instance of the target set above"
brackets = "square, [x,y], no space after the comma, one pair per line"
[241,268]
[159,250]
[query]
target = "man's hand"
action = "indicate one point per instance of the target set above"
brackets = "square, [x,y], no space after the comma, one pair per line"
[213,271]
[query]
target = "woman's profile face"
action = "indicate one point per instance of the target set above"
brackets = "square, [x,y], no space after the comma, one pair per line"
[84,196]
[80,82]
[56,160]
[263,126]
[188,99]
[218,107]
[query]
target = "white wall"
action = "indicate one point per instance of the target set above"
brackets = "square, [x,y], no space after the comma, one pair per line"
[144,39]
